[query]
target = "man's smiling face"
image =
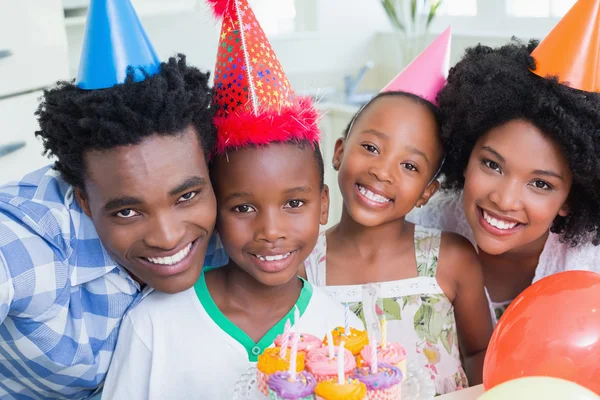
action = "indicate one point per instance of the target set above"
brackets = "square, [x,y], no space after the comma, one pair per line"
[153,207]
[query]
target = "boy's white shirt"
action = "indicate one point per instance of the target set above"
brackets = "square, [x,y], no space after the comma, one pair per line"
[170,348]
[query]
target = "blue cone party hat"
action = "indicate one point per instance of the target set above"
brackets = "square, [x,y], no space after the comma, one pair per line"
[114,40]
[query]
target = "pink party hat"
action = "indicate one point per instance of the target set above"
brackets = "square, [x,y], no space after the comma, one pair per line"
[426,75]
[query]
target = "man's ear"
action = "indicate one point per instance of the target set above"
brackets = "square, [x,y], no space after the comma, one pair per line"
[324,205]
[427,193]
[83,201]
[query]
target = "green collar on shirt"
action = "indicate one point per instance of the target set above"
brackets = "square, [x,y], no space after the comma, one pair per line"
[253,349]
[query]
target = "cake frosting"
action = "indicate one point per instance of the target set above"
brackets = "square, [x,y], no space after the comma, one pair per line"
[281,386]
[305,343]
[322,367]
[355,342]
[270,361]
[386,377]
[393,354]
[352,389]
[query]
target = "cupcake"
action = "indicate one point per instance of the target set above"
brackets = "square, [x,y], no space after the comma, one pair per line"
[355,342]
[323,368]
[270,362]
[306,343]
[393,354]
[351,389]
[282,387]
[385,384]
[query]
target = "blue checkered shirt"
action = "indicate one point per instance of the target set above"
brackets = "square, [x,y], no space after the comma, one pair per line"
[62,297]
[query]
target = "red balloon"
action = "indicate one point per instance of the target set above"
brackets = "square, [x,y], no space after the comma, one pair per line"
[551,329]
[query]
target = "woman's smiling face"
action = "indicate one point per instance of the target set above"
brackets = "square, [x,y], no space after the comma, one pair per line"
[517,182]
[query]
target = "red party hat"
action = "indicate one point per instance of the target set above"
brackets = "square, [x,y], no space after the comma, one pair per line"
[255,101]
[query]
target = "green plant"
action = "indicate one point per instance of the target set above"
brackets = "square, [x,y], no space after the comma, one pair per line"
[411,16]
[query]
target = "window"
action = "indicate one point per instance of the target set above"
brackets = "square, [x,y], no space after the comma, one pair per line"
[458,8]
[500,18]
[277,17]
[454,8]
[538,8]
[558,8]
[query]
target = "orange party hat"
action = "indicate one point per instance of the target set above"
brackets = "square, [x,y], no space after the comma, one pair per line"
[571,51]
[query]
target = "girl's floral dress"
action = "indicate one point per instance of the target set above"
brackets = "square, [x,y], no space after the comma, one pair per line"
[419,315]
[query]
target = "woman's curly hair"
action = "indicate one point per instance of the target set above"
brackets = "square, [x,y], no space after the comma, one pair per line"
[492,86]
[74,121]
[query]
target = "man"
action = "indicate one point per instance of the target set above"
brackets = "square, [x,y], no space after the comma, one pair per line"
[127,203]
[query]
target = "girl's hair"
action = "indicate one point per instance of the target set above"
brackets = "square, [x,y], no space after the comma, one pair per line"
[492,86]
[419,100]
[74,121]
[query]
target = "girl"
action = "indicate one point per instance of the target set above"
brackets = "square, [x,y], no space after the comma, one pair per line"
[426,283]
[522,169]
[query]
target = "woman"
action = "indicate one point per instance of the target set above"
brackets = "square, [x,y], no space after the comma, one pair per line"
[522,172]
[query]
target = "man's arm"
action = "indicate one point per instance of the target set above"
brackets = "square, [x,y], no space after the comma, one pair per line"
[6,290]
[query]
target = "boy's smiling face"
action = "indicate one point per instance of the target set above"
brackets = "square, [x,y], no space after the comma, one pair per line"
[270,204]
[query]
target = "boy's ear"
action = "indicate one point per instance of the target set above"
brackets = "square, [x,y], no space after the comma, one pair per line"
[324,205]
[429,191]
[338,152]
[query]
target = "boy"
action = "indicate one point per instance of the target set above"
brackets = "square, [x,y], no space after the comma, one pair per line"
[268,175]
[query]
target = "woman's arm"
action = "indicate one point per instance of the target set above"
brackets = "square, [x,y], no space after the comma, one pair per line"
[459,268]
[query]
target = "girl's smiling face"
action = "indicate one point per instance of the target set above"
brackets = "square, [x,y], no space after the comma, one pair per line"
[517,182]
[387,162]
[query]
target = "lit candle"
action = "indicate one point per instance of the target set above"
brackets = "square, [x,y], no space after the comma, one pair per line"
[346,320]
[340,365]
[373,344]
[330,345]
[285,340]
[294,354]
[383,333]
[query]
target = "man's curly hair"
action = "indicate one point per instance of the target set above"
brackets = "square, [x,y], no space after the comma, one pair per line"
[74,121]
[490,87]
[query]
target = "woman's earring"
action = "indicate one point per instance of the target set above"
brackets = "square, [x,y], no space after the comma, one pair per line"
[334,166]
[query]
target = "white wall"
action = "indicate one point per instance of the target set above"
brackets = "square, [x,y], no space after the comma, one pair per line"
[311,59]
[337,38]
